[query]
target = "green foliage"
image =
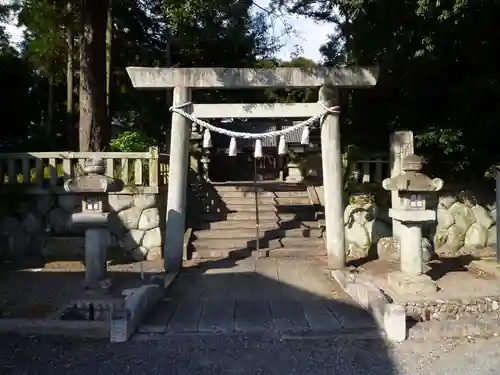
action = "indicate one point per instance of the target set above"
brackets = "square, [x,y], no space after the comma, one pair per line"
[145,33]
[438,74]
[131,141]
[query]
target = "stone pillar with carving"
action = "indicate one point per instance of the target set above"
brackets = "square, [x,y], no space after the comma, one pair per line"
[195,148]
[94,186]
[411,186]
[401,145]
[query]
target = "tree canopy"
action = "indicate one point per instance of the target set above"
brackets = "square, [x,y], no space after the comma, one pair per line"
[437,59]
[439,74]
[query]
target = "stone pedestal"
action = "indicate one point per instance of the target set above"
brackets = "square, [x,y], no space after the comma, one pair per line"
[95,256]
[404,283]
[411,279]
[294,173]
[411,249]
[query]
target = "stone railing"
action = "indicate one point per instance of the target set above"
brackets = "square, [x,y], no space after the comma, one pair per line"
[369,171]
[35,209]
[46,172]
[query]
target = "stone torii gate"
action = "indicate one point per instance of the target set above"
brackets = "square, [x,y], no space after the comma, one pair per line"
[183,80]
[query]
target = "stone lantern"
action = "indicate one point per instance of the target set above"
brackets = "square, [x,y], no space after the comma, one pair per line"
[412,188]
[93,186]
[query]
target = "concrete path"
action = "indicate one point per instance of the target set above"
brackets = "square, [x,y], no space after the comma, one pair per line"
[278,296]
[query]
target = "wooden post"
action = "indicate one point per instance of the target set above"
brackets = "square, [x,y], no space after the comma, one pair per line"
[332,180]
[176,202]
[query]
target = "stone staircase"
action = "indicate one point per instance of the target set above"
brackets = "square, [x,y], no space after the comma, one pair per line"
[227,226]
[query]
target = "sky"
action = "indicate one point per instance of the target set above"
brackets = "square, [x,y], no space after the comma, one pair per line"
[309,35]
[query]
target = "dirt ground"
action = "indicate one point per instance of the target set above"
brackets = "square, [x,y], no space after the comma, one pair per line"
[456,277]
[38,289]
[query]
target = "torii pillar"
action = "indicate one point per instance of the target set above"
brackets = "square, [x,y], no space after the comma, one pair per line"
[182,80]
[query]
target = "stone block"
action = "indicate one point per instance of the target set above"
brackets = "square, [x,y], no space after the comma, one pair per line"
[44,204]
[444,218]
[446,201]
[152,238]
[391,318]
[411,284]
[482,216]
[395,323]
[129,218]
[131,239]
[120,202]
[388,249]
[138,302]
[144,201]
[455,237]
[31,224]
[150,218]
[476,236]
[58,221]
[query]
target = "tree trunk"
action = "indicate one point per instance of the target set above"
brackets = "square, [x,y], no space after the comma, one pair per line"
[70,120]
[109,40]
[50,109]
[94,125]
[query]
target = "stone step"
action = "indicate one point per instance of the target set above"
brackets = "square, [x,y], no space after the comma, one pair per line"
[263,216]
[239,207]
[234,208]
[262,194]
[275,252]
[283,201]
[241,244]
[265,186]
[248,234]
[250,224]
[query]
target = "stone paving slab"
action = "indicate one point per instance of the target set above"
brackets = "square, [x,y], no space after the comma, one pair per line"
[253,316]
[245,316]
[253,296]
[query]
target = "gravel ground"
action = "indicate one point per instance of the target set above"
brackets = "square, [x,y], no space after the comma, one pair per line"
[238,355]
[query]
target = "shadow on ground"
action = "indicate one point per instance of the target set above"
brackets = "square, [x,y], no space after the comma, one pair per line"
[243,317]
[38,293]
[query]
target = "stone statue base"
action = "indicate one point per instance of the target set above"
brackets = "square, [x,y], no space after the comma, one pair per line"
[294,173]
[411,284]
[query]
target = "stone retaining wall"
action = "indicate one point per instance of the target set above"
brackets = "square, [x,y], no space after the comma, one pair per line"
[136,223]
[453,309]
[464,221]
